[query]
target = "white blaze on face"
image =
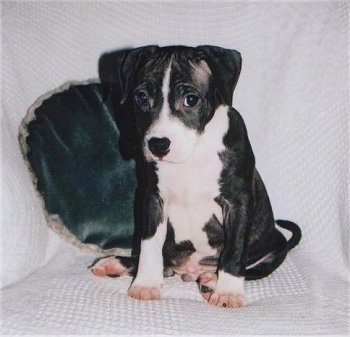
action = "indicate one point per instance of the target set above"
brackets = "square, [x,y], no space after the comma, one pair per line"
[182,139]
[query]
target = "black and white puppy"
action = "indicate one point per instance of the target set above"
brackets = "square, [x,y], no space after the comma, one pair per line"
[206,214]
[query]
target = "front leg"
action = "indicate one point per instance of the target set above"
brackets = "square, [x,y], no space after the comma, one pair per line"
[149,277]
[229,290]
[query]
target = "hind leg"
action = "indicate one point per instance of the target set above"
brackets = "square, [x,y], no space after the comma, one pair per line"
[114,266]
[209,287]
[207,283]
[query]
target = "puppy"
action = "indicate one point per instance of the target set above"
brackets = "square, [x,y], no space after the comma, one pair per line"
[205,212]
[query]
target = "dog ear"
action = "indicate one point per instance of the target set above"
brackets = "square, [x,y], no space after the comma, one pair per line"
[225,65]
[117,69]
[109,73]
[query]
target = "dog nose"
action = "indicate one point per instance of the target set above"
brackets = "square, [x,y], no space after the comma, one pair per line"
[159,146]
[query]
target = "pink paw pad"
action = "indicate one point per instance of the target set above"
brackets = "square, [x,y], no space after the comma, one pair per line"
[108,266]
[144,293]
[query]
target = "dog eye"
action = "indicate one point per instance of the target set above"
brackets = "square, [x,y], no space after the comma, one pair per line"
[191,100]
[141,98]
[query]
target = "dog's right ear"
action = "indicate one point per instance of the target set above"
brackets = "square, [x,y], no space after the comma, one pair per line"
[117,69]
[109,66]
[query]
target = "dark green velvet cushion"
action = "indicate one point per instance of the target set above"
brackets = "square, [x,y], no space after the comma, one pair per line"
[70,141]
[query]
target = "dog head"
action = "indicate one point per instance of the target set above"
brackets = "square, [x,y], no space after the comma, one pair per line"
[168,95]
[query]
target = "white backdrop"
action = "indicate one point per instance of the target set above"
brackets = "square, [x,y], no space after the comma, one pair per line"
[293,94]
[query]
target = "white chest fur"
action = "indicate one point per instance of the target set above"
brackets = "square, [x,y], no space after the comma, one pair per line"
[188,189]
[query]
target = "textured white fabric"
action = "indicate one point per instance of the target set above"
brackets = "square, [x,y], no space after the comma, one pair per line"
[294,96]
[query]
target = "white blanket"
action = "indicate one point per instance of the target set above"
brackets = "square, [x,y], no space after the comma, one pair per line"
[294,96]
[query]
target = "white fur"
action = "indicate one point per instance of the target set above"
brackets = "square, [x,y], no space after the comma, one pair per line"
[189,188]
[229,284]
[150,269]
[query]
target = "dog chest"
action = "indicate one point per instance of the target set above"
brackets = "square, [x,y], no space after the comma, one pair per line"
[188,196]
[189,188]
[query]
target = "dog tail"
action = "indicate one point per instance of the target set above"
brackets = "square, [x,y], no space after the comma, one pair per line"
[292,227]
[278,254]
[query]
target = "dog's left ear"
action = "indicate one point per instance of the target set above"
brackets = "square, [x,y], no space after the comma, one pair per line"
[225,65]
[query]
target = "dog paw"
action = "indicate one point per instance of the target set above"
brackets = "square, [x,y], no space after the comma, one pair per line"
[227,300]
[228,293]
[108,266]
[144,293]
[207,284]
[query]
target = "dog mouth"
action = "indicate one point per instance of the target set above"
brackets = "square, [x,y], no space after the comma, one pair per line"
[167,149]
[168,158]
[153,158]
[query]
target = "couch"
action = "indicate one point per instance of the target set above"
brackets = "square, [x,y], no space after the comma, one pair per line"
[293,94]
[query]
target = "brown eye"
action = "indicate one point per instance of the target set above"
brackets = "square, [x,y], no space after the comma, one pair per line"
[191,100]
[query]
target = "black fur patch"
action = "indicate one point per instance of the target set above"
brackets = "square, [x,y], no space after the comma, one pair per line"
[176,254]
[215,233]
[153,204]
